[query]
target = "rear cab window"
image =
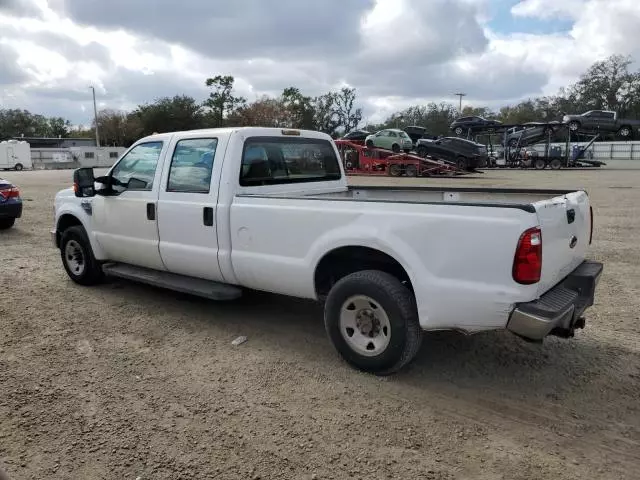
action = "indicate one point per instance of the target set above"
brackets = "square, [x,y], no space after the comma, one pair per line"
[276,160]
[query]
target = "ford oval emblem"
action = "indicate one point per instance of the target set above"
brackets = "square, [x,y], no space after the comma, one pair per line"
[573,242]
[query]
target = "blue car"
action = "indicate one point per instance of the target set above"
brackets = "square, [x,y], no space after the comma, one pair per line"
[10,204]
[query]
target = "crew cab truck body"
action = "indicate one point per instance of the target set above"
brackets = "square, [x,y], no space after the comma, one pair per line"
[602,121]
[213,211]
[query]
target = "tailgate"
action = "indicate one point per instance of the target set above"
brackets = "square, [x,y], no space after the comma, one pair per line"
[565,222]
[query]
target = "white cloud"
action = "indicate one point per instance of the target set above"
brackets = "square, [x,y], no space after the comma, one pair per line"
[395,52]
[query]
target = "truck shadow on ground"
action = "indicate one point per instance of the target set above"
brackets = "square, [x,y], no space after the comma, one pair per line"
[488,360]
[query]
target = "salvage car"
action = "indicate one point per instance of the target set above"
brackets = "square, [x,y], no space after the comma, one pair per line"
[386,262]
[10,204]
[465,154]
[469,124]
[356,136]
[392,139]
[602,121]
[530,132]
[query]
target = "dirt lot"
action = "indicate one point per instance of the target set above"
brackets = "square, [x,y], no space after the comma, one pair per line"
[127,381]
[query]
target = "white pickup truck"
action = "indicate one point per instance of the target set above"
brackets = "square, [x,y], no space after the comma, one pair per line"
[211,212]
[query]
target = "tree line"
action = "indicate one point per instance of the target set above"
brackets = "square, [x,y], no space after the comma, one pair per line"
[610,84]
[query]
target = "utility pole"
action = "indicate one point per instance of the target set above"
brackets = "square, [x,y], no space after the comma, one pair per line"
[95,113]
[460,95]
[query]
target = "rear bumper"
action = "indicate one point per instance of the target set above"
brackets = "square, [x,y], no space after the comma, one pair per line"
[11,209]
[559,311]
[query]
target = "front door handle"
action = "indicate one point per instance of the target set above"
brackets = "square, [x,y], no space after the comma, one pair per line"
[207,216]
[151,211]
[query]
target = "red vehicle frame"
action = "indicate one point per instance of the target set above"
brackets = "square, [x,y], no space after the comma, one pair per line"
[362,160]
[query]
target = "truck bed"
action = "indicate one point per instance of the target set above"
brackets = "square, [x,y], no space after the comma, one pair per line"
[522,199]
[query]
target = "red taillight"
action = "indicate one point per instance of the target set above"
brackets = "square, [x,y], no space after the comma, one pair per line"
[527,264]
[591,221]
[11,192]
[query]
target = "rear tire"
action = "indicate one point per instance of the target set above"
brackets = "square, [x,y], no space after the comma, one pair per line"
[556,164]
[574,126]
[458,131]
[370,144]
[539,164]
[462,163]
[77,257]
[18,167]
[372,321]
[411,171]
[422,152]
[7,223]
[395,170]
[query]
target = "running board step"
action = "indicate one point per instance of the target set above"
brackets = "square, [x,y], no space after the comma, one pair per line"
[172,281]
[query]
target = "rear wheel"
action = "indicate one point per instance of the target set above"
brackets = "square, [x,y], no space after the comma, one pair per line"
[6,223]
[372,321]
[462,163]
[421,151]
[458,130]
[556,164]
[539,164]
[18,167]
[370,143]
[395,170]
[574,126]
[77,257]
[411,171]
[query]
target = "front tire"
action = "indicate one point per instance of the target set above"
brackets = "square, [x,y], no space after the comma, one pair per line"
[574,126]
[77,257]
[458,131]
[625,132]
[370,144]
[395,148]
[18,167]
[372,321]
[462,163]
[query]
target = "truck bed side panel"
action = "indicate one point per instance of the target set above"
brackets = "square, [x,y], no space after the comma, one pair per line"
[459,258]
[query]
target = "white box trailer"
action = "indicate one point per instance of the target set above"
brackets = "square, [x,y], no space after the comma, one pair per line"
[15,155]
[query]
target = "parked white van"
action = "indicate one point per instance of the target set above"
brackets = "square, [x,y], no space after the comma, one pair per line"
[15,155]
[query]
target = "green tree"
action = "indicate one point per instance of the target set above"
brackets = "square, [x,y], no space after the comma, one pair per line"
[299,109]
[325,116]
[221,102]
[350,116]
[167,114]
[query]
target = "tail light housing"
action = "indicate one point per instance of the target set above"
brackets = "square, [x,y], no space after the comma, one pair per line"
[11,192]
[527,264]
[591,222]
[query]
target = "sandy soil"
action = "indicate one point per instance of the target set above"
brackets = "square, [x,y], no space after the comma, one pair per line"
[127,381]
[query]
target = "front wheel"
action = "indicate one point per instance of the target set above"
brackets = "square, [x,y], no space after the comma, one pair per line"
[462,163]
[458,131]
[395,148]
[624,132]
[372,320]
[77,257]
[574,126]
[18,167]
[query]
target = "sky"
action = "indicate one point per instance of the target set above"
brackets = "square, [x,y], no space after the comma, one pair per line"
[396,53]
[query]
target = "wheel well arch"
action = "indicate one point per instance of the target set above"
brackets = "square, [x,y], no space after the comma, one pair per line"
[343,261]
[65,221]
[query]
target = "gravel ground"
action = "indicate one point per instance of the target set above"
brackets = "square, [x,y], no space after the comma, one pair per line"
[127,381]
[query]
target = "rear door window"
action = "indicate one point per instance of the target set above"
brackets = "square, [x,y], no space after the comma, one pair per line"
[283,160]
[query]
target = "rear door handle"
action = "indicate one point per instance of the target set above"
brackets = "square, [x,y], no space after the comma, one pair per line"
[207,216]
[151,211]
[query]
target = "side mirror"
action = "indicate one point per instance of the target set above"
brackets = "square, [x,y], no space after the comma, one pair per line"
[84,182]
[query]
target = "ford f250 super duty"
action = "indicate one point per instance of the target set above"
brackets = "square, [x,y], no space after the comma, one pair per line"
[210,212]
